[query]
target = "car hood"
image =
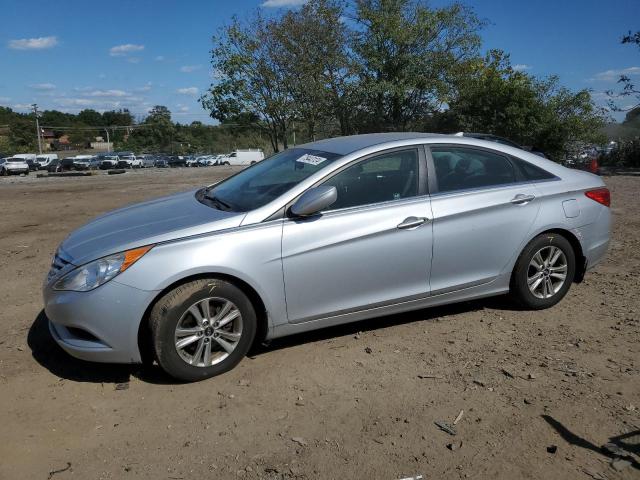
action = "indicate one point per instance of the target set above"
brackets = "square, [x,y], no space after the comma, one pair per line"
[164,219]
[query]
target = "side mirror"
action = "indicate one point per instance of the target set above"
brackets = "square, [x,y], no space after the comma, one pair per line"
[314,200]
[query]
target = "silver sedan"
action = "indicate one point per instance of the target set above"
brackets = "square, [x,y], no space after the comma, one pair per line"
[330,232]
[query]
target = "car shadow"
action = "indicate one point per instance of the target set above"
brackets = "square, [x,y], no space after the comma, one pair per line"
[621,441]
[50,355]
[498,303]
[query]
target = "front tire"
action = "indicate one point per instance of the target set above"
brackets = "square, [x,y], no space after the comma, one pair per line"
[544,272]
[202,329]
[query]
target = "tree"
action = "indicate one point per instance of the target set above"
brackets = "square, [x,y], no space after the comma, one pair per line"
[156,133]
[407,55]
[157,114]
[250,79]
[91,117]
[316,61]
[495,99]
[629,88]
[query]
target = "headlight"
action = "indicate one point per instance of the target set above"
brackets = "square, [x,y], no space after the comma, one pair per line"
[93,274]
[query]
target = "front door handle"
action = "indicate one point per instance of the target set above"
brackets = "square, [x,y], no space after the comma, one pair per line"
[412,222]
[522,199]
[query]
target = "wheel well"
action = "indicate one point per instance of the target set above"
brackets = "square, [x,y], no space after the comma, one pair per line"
[581,261]
[144,331]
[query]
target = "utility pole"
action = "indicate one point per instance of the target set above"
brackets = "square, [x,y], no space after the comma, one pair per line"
[35,111]
[108,145]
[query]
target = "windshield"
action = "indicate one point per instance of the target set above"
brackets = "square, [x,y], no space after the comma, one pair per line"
[267,180]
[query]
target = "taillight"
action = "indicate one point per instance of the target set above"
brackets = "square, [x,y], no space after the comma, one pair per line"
[600,195]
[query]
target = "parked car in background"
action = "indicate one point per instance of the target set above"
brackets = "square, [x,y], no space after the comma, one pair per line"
[13,166]
[325,233]
[109,161]
[128,160]
[33,165]
[504,141]
[54,165]
[177,161]
[82,162]
[161,163]
[94,163]
[67,165]
[45,159]
[147,160]
[242,157]
[191,161]
[26,156]
[586,160]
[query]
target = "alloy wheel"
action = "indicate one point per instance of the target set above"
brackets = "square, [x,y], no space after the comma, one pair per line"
[208,332]
[547,272]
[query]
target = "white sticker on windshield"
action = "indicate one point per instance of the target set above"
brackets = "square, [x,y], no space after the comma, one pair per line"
[311,159]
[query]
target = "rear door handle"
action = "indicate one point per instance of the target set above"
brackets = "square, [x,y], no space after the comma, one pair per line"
[522,199]
[412,222]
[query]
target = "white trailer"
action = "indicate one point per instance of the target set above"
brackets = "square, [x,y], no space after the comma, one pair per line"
[242,157]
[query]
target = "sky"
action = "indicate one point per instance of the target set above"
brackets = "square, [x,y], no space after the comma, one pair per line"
[76,54]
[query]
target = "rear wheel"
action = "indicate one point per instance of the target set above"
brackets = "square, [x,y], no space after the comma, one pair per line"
[544,272]
[202,329]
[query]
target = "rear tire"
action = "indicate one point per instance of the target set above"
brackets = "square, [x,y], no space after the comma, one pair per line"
[192,344]
[544,272]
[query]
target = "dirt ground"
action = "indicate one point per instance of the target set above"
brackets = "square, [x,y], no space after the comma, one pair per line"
[540,392]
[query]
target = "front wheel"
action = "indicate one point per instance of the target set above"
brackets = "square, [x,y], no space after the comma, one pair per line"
[544,272]
[202,329]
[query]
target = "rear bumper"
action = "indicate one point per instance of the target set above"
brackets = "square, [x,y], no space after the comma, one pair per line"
[595,238]
[16,170]
[100,325]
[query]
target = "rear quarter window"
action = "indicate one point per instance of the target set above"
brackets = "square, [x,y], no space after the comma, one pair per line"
[531,172]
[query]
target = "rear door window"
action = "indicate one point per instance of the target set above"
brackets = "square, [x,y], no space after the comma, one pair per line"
[461,168]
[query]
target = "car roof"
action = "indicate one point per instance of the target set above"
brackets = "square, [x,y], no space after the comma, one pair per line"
[346,145]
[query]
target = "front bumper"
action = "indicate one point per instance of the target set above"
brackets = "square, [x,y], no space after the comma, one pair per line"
[100,325]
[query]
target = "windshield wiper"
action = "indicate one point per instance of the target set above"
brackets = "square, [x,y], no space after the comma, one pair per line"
[220,204]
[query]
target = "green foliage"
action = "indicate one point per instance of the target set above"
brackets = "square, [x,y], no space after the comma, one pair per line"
[493,98]
[408,56]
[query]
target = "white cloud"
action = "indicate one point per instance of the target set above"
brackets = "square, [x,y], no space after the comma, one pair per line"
[188,91]
[190,68]
[43,86]
[21,106]
[124,50]
[521,67]
[5,99]
[610,75]
[146,88]
[107,93]
[98,103]
[159,58]
[283,3]
[39,43]
[133,59]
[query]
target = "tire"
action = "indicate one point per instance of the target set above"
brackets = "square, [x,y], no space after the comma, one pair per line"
[226,163]
[174,309]
[535,266]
